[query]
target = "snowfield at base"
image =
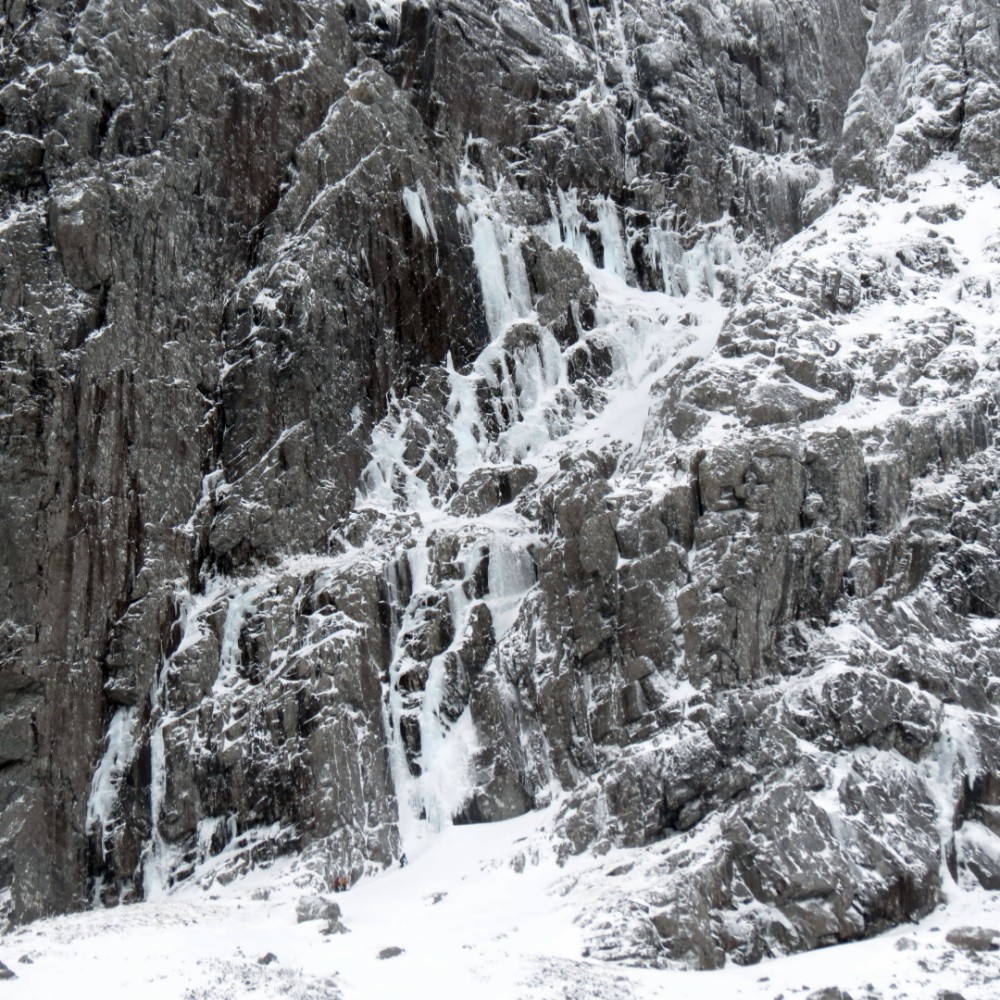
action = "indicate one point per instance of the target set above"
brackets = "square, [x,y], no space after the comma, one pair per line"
[480,911]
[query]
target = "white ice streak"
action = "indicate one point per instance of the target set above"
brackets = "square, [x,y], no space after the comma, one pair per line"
[612,244]
[419,208]
[409,794]
[496,249]
[242,603]
[447,777]
[388,481]
[155,864]
[956,761]
[569,226]
[527,400]
[159,857]
[465,422]
[511,575]
[114,764]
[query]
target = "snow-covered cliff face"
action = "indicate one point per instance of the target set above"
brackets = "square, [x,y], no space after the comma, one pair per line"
[420,414]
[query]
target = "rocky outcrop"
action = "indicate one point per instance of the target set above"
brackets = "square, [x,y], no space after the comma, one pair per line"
[162,136]
[930,84]
[447,410]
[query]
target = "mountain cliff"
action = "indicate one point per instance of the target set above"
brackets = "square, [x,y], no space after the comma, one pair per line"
[420,414]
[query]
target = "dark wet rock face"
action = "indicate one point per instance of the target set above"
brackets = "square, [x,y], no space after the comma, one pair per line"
[454,408]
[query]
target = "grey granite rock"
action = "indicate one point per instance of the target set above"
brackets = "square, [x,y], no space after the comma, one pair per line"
[973,938]
[316,338]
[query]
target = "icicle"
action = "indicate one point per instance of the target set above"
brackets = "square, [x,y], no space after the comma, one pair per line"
[407,791]
[663,251]
[419,208]
[529,389]
[496,250]
[388,482]
[573,226]
[564,12]
[610,231]
[551,231]
[242,604]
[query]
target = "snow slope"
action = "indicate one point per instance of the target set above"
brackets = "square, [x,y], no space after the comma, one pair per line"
[479,911]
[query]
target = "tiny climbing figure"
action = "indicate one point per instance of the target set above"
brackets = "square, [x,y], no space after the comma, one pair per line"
[336,883]
[344,884]
[402,861]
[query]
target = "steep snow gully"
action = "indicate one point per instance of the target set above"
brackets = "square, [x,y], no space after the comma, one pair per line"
[552,443]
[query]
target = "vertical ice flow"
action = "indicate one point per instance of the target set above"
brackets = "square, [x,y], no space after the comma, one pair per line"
[496,250]
[465,422]
[664,252]
[512,402]
[573,226]
[153,861]
[529,387]
[610,230]
[511,575]
[445,750]
[406,791]
[112,768]
[500,268]
[242,604]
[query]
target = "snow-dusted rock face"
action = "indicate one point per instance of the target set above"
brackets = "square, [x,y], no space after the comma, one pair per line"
[419,414]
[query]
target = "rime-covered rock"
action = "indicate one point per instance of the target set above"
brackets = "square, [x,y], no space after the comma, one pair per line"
[316,908]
